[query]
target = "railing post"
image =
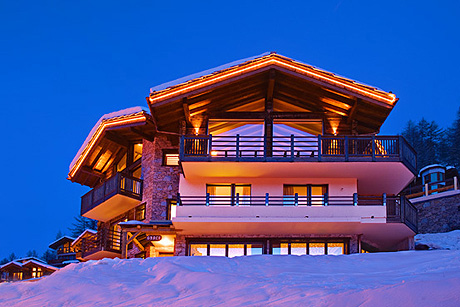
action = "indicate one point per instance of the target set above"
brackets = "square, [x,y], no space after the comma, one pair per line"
[207,199]
[426,189]
[265,147]
[326,199]
[319,148]
[237,147]
[210,146]
[292,147]
[296,199]
[355,199]
[373,147]
[346,148]
[178,201]
[237,203]
[402,206]
[455,183]
[182,147]
[384,199]
[266,199]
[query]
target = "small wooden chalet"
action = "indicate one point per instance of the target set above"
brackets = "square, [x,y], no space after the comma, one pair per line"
[25,269]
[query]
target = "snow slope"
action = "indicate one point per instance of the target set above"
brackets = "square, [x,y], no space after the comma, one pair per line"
[413,278]
[446,240]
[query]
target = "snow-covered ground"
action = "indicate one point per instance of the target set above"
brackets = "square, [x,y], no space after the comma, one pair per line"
[412,278]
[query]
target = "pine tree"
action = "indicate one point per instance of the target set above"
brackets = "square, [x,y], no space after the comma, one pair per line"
[4,261]
[49,255]
[12,257]
[32,253]
[81,223]
[59,235]
[426,139]
[451,142]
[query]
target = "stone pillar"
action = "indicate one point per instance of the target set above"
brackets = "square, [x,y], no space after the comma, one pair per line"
[180,246]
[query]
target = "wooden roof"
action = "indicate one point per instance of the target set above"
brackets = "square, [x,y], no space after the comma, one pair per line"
[106,145]
[293,87]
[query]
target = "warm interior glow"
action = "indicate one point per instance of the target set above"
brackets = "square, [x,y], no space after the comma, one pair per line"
[270,60]
[213,153]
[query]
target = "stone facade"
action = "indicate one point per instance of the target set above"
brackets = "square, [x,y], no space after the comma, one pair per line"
[180,248]
[160,182]
[441,214]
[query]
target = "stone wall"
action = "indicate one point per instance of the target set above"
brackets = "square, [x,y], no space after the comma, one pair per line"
[160,182]
[439,215]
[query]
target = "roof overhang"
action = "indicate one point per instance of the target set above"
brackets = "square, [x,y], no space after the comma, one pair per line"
[273,60]
[131,125]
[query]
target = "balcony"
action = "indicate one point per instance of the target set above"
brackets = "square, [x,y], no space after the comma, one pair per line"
[115,196]
[386,219]
[437,188]
[105,244]
[379,163]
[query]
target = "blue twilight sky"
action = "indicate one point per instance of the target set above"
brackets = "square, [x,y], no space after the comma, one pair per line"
[65,63]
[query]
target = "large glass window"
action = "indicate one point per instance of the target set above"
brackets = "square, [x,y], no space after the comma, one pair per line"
[308,248]
[230,249]
[229,194]
[309,194]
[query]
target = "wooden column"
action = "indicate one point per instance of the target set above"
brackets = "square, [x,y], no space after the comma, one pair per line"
[124,244]
[268,120]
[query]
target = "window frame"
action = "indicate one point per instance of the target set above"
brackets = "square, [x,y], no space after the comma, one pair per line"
[170,152]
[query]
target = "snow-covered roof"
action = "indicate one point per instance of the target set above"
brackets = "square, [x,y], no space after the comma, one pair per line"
[104,117]
[59,241]
[216,70]
[10,263]
[83,233]
[430,166]
[210,71]
[41,264]
[29,258]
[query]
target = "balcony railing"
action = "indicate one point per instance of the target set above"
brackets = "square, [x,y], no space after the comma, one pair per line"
[118,184]
[399,209]
[297,148]
[430,188]
[104,240]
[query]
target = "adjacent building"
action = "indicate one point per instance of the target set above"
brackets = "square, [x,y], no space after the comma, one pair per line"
[266,155]
[25,269]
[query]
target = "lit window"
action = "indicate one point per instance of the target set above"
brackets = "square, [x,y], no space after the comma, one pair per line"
[171,210]
[198,249]
[317,249]
[140,212]
[335,248]
[137,152]
[235,250]
[171,159]
[217,250]
[37,272]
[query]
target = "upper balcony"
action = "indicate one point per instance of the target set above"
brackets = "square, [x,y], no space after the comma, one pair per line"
[314,157]
[115,196]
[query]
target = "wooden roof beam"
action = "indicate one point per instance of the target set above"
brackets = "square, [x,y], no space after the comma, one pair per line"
[353,111]
[109,135]
[271,84]
[142,134]
[186,110]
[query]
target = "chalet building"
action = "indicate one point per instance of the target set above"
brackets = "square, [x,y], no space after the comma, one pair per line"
[266,155]
[65,251]
[25,269]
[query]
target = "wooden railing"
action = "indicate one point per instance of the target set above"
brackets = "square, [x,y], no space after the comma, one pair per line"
[431,188]
[399,209]
[104,240]
[118,184]
[297,148]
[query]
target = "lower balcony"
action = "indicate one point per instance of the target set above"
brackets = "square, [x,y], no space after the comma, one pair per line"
[381,219]
[115,196]
[105,244]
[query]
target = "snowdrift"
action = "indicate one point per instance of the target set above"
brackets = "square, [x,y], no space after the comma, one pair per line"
[414,278]
[446,240]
